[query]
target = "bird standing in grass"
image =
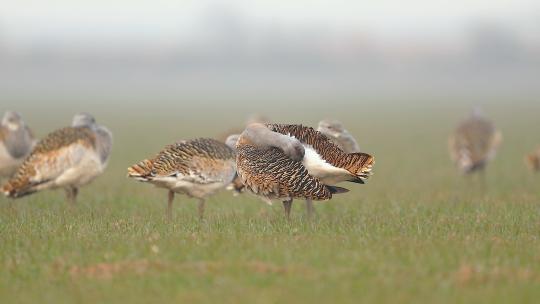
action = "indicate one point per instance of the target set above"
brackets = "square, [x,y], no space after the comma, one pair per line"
[533,160]
[285,162]
[337,133]
[474,143]
[197,168]
[66,158]
[16,142]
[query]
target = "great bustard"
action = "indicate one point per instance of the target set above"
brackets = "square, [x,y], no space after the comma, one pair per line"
[197,168]
[332,129]
[292,161]
[16,142]
[236,185]
[337,133]
[66,158]
[533,160]
[474,143]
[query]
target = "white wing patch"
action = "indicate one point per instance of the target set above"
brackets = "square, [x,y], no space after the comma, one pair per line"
[321,169]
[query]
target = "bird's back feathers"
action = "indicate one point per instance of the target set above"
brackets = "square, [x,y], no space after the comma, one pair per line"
[51,157]
[358,164]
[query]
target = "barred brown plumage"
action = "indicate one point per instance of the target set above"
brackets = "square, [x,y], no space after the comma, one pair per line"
[358,164]
[58,139]
[293,161]
[66,158]
[65,137]
[236,185]
[270,173]
[197,168]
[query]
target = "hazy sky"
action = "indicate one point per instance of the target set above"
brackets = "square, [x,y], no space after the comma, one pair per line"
[268,48]
[25,22]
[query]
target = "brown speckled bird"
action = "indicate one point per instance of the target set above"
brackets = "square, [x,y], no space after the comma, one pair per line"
[533,160]
[474,143]
[66,158]
[237,186]
[197,168]
[280,161]
[16,142]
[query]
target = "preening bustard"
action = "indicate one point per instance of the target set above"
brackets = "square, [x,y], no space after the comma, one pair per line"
[236,185]
[292,161]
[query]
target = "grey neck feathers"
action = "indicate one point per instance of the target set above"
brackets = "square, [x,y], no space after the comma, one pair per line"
[19,143]
[262,137]
[477,112]
[232,140]
[83,120]
[104,142]
[343,139]
[348,142]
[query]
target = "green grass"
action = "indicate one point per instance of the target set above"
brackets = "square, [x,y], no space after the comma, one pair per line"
[416,233]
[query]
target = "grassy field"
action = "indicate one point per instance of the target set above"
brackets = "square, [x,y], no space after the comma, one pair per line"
[417,232]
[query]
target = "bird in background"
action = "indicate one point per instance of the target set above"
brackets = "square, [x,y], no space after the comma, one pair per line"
[16,142]
[287,162]
[533,160]
[474,143]
[336,132]
[197,168]
[250,119]
[67,158]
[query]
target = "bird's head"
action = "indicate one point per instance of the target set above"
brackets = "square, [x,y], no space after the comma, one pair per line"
[232,140]
[333,128]
[12,120]
[83,120]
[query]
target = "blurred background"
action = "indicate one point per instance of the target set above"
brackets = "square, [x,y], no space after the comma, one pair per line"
[165,70]
[180,69]
[251,51]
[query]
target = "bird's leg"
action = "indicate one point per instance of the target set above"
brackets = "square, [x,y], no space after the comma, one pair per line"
[170,199]
[201,208]
[75,194]
[71,195]
[287,205]
[310,208]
